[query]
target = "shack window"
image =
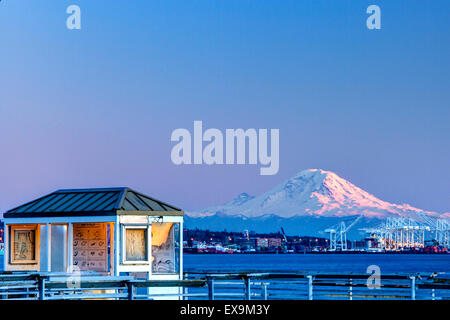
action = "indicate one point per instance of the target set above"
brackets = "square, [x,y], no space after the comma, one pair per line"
[23,245]
[165,247]
[136,244]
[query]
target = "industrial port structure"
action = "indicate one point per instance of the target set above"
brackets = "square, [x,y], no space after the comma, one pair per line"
[396,233]
[406,233]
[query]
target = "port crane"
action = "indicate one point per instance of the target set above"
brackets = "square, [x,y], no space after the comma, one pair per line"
[284,235]
[442,232]
[440,226]
[338,234]
[399,233]
[285,246]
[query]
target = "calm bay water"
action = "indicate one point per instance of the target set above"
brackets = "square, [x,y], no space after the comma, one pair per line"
[332,263]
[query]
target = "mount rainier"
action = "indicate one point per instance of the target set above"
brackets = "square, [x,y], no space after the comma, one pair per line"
[305,204]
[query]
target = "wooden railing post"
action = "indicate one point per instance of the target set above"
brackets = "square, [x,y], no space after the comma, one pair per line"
[210,289]
[310,287]
[247,292]
[41,287]
[413,287]
[130,290]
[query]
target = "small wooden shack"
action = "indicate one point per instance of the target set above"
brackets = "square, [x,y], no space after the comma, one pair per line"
[108,231]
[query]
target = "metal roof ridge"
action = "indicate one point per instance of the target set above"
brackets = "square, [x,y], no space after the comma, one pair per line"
[91,189]
[156,200]
[121,198]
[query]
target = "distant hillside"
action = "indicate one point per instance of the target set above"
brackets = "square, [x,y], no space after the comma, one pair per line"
[305,204]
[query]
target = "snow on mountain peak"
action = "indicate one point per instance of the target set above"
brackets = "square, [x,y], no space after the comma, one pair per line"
[314,192]
[241,199]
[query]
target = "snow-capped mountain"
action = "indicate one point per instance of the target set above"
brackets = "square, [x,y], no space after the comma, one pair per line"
[308,196]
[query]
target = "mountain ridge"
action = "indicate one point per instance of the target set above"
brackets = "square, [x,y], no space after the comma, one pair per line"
[313,192]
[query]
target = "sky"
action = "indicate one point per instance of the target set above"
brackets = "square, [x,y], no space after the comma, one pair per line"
[96,107]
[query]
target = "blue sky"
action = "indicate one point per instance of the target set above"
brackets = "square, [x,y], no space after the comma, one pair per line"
[96,106]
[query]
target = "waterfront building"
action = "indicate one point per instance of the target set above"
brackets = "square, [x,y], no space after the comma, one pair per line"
[245,243]
[274,242]
[108,231]
[262,242]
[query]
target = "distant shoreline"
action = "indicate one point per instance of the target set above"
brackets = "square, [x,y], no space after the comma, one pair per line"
[322,253]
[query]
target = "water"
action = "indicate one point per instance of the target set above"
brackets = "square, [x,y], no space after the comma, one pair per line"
[325,263]
[330,263]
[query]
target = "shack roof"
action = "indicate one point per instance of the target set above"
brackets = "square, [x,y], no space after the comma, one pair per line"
[90,202]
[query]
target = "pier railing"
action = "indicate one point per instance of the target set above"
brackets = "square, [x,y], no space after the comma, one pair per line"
[229,286]
[320,286]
